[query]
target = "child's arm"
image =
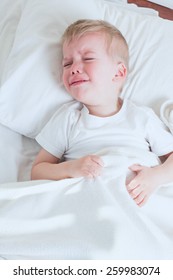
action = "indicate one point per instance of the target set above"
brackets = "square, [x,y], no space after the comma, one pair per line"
[48,167]
[148,179]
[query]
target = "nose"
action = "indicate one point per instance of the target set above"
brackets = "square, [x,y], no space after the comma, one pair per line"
[76,68]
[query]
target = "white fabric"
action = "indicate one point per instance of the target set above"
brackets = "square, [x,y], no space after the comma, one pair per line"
[166,113]
[86,219]
[38,34]
[82,134]
[134,7]
[10,154]
[31,89]
[17,154]
[10,13]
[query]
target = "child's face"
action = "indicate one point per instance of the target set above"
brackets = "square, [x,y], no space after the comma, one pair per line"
[89,72]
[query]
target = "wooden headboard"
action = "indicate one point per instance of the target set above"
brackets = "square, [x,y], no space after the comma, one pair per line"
[163,11]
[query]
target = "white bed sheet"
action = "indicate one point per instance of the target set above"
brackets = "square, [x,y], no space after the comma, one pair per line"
[86,219]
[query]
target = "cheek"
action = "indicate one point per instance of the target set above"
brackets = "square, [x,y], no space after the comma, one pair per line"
[65,79]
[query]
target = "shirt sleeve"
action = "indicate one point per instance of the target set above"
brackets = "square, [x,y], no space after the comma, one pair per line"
[159,137]
[54,137]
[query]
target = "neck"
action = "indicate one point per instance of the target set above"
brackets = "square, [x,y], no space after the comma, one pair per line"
[105,110]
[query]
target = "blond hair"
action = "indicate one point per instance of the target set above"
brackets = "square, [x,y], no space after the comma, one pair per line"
[117,45]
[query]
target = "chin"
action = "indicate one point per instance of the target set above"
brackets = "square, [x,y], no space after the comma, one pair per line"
[80,96]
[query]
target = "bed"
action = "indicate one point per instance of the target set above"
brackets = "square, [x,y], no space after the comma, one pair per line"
[77,219]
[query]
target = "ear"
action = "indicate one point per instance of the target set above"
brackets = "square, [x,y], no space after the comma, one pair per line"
[120,73]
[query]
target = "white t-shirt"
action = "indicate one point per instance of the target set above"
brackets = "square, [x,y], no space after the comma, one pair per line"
[73,133]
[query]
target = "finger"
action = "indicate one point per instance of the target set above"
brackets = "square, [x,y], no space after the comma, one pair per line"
[136,167]
[89,175]
[135,192]
[95,169]
[97,160]
[132,185]
[93,174]
[139,199]
[142,203]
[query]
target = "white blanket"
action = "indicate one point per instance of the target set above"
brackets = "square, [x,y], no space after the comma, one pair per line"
[86,219]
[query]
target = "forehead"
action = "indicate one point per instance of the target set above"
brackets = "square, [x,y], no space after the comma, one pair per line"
[94,41]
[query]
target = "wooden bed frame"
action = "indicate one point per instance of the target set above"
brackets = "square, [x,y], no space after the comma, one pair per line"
[163,11]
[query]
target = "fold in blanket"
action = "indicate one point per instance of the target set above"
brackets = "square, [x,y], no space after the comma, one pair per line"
[166,114]
[85,218]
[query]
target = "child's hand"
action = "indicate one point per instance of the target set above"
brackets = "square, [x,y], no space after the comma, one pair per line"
[88,166]
[143,184]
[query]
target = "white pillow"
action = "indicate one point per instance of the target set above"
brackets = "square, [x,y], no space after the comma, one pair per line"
[32,91]
[150,40]
[135,7]
[10,13]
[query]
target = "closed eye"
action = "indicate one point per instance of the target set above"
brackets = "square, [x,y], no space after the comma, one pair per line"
[66,64]
[88,58]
